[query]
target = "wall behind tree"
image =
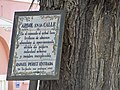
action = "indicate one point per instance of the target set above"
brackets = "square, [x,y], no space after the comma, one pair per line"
[8,7]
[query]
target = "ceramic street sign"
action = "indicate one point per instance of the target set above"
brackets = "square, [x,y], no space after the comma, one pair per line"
[36,45]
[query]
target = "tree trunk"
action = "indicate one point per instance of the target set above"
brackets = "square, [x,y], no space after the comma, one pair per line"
[91,45]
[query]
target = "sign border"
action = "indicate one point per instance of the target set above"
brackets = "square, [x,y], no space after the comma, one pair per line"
[59,48]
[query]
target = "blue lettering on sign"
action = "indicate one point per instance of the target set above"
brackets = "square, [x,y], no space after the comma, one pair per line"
[17,84]
[27,25]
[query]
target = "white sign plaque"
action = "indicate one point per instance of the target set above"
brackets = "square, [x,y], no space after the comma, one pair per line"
[37,44]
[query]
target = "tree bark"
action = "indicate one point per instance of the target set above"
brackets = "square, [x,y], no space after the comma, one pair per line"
[91,45]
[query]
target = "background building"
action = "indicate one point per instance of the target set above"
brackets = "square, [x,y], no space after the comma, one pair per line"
[7,9]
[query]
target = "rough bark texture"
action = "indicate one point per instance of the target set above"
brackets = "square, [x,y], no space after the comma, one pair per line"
[91,46]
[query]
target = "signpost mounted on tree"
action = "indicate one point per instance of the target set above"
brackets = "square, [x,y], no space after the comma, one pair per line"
[36,45]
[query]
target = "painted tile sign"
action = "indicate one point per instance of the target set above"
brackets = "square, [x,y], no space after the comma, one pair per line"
[36,45]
